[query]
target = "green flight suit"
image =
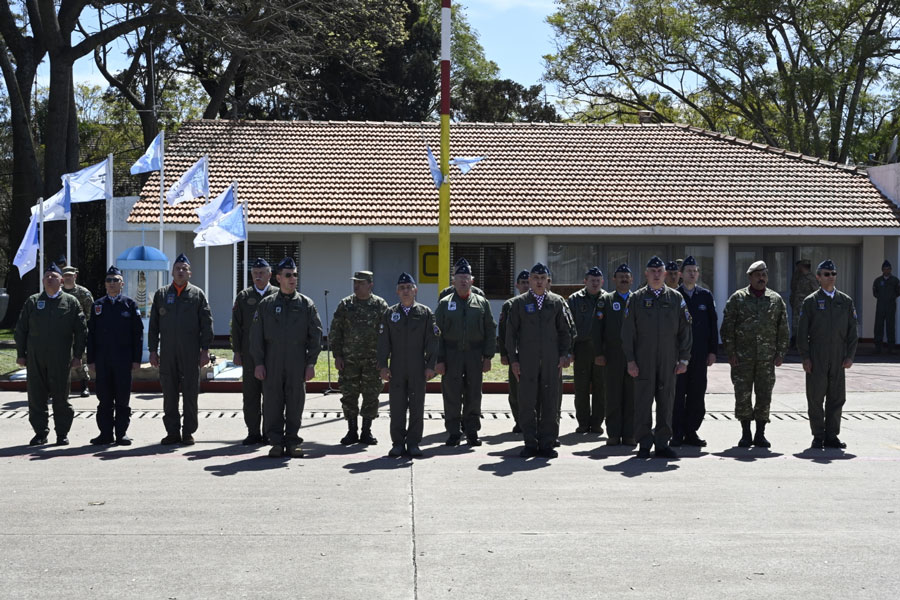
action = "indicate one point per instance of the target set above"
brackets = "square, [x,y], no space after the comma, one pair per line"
[537,338]
[407,345]
[513,391]
[827,335]
[886,291]
[354,338]
[656,334]
[450,289]
[590,384]
[468,336]
[245,305]
[86,300]
[180,327]
[755,331]
[50,331]
[286,337]
[607,336]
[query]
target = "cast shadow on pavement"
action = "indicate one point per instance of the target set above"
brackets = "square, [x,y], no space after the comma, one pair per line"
[257,463]
[501,438]
[233,450]
[824,456]
[635,467]
[14,405]
[603,452]
[116,452]
[317,450]
[747,454]
[51,451]
[382,463]
[511,462]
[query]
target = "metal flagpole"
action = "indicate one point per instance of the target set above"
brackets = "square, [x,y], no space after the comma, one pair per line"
[329,389]
[110,244]
[162,194]
[206,269]
[444,216]
[246,242]
[67,194]
[41,221]
[234,277]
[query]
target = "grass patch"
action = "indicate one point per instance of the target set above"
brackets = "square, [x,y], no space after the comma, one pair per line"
[6,334]
[8,361]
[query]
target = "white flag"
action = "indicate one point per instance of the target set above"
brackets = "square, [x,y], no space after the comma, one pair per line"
[89,183]
[227,229]
[152,159]
[193,184]
[54,207]
[26,256]
[210,211]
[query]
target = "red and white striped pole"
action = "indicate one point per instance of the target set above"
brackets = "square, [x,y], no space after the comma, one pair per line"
[444,217]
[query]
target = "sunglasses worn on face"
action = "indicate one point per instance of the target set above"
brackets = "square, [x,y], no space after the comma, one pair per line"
[291,275]
[829,273]
[112,280]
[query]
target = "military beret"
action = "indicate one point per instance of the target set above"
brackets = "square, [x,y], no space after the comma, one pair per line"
[886,264]
[593,272]
[540,269]
[757,266]
[114,270]
[260,263]
[68,270]
[826,265]
[287,263]
[671,266]
[405,278]
[52,268]
[462,267]
[690,261]
[804,261]
[363,276]
[623,268]
[523,275]
[655,263]
[182,259]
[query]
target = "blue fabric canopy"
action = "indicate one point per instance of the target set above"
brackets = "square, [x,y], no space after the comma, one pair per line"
[142,258]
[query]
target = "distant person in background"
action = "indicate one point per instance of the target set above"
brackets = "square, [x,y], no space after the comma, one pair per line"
[886,289]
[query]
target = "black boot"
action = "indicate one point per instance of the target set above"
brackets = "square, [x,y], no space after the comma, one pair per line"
[85,391]
[366,436]
[352,436]
[760,438]
[746,436]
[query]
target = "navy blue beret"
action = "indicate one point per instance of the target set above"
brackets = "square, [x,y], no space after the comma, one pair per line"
[462,267]
[623,268]
[593,272]
[655,263]
[690,261]
[182,259]
[406,278]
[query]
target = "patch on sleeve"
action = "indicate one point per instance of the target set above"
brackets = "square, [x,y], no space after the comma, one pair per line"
[437,330]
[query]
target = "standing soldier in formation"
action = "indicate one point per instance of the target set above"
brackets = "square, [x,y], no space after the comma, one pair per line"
[69,275]
[607,335]
[407,351]
[114,346]
[353,340]
[513,394]
[886,289]
[827,337]
[285,341]
[50,336]
[178,337]
[673,275]
[755,336]
[538,340]
[245,305]
[803,284]
[690,389]
[656,340]
[590,387]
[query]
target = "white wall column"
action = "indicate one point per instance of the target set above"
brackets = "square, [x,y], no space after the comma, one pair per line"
[540,249]
[872,256]
[358,252]
[895,264]
[721,283]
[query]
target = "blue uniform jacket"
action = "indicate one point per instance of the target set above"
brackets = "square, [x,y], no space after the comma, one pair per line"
[115,331]
[705,324]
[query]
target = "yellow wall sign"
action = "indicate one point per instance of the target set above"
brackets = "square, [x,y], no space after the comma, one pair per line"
[428,264]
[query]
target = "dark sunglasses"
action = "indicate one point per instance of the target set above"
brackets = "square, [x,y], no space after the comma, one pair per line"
[113,280]
[829,273]
[290,275]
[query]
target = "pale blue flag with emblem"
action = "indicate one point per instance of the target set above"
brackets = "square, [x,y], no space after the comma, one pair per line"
[56,207]
[193,184]
[89,183]
[210,211]
[465,164]
[227,229]
[26,256]
[152,158]
[435,170]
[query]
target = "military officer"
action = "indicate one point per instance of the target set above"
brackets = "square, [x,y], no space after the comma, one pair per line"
[245,305]
[513,393]
[755,335]
[803,283]
[50,336]
[607,336]
[285,341]
[538,340]
[656,340]
[178,338]
[465,348]
[673,275]
[590,387]
[407,352]
[69,286]
[690,388]
[354,343]
[886,289]
[114,346]
[827,337]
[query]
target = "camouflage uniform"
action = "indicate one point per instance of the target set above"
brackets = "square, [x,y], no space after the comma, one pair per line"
[755,330]
[245,305]
[802,285]
[590,387]
[354,338]
[86,301]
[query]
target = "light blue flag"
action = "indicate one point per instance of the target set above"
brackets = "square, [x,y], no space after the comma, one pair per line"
[435,170]
[26,256]
[55,207]
[89,183]
[193,184]
[227,229]
[210,211]
[465,164]
[152,158]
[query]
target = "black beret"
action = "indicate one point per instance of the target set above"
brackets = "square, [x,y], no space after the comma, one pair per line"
[462,267]
[623,268]
[406,278]
[182,259]
[114,270]
[523,274]
[655,262]
[540,269]
[886,264]
[593,272]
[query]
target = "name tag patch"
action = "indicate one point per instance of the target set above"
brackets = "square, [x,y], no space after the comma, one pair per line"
[170,299]
[530,308]
[702,307]
[451,305]
[821,304]
[277,310]
[617,306]
[251,301]
[41,304]
[648,303]
[395,317]
[125,313]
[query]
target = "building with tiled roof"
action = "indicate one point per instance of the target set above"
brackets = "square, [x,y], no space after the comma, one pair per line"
[345,196]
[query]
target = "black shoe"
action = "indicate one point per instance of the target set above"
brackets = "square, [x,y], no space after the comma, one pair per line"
[665,452]
[276,451]
[528,452]
[187,439]
[123,440]
[102,440]
[38,440]
[677,441]
[597,430]
[692,439]
[352,437]
[85,392]
[453,440]
[629,442]
[818,443]
[557,443]
[414,451]
[516,428]
[582,429]
[643,452]
[613,441]
[548,453]
[759,439]
[252,439]
[295,451]
[746,436]
[366,438]
[62,440]
[172,438]
[834,442]
[396,451]
[472,440]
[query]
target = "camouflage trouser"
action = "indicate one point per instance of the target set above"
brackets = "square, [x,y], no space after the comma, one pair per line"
[80,373]
[360,377]
[747,376]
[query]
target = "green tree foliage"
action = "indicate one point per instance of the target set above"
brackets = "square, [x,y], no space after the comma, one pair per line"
[501,101]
